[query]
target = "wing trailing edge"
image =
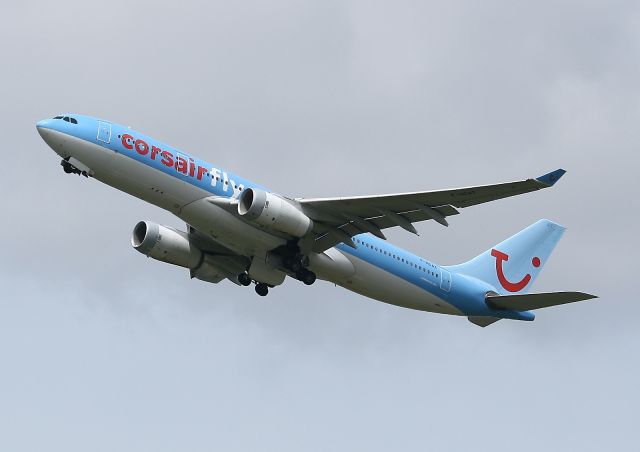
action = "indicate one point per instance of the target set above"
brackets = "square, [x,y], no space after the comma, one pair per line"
[357,214]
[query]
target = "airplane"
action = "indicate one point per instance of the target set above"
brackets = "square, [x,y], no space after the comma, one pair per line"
[243,232]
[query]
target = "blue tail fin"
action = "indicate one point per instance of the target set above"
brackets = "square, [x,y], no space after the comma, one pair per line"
[513,265]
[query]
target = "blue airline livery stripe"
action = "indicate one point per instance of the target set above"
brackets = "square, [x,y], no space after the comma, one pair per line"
[167,159]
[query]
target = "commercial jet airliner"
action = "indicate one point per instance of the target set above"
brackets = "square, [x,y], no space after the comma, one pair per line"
[244,232]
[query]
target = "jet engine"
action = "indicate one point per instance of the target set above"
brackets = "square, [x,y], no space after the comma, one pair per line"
[165,244]
[273,212]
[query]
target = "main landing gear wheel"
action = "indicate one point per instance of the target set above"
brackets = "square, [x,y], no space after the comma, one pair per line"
[244,279]
[308,277]
[294,264]
[262,289]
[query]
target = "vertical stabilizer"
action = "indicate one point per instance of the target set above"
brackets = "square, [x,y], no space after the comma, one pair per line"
[513,265]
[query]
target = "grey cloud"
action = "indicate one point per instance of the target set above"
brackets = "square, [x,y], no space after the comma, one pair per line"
[104,349]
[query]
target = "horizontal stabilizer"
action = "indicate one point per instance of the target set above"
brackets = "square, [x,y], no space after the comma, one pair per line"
[526,302]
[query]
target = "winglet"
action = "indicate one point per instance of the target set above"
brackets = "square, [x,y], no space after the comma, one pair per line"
[551,178]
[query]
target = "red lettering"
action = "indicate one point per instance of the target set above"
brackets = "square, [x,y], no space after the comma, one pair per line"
[508,285]
[126,141]
[155,151]
[142,147]
[192,167]
[201,172]
[167,158]
[181,165]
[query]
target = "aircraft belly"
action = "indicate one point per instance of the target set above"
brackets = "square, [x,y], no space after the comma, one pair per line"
[97,158]
[189,203]
[126,174]
[227,229]
[150,184]
[170,193]
[376,283]
[331,265]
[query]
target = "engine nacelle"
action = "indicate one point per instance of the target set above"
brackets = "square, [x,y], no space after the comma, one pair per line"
[273,212]
[165,244]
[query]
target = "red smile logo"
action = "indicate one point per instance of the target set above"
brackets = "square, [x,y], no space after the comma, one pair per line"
[508,285]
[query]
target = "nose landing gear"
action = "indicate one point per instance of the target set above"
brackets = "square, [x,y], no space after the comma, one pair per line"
[69,168]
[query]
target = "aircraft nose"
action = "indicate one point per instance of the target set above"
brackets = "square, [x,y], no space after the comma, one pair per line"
[44,124]
[46,130]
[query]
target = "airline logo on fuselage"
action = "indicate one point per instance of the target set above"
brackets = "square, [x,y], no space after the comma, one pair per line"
[182,164]
[508,285]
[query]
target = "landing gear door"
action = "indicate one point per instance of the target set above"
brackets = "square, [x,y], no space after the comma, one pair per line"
[104,131]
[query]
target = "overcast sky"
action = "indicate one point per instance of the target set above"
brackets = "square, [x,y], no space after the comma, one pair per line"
[103,350]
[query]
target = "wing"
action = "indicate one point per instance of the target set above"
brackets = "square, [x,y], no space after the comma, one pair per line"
[338,219]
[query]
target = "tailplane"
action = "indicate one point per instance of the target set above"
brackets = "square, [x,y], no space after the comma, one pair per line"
[530,301]
[511,267]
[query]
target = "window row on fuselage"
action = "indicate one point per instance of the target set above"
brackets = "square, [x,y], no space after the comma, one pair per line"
[423,266]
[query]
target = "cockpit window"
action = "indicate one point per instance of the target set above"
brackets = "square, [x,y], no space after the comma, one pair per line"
[67,119]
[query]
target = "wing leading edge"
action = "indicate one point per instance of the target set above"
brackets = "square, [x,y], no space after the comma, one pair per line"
[338,219]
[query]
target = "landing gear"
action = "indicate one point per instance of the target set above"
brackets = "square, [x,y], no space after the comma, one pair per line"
[307,277]
[262,289]
[295,263]
[244,279]
[70,169]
